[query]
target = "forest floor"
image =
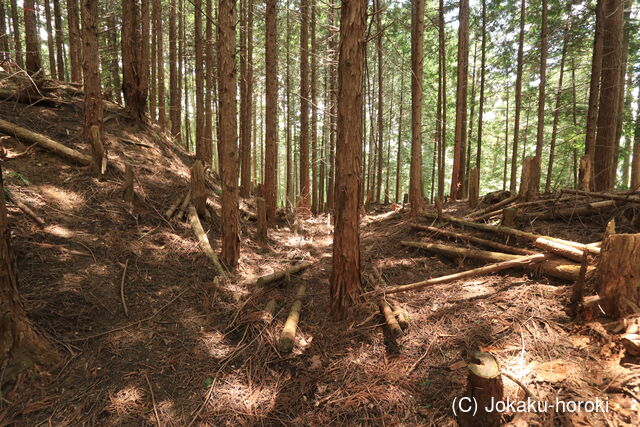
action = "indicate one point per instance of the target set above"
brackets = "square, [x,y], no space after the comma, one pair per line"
[194,353]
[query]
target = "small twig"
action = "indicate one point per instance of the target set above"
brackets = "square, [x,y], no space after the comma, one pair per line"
[124,303]
[526,389]
[153,400]
[424,356]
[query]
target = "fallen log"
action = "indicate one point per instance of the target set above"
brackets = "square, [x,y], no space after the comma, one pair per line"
[44,142]
[565,251]
[586,210]
[169,212]
[513,232]
[612,196]
[203,240]
[473,239]
[495,206]
[282,274]
[521,205]
[390,318]
[552,266]
[183,207]
[285,343]
[269,310]
[518,261]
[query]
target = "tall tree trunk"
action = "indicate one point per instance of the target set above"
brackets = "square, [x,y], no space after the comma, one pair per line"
[483,59]
[333,96]
[114,64]
[93,114]
[17,41]
[208,98]
[4,36]
[290,175]
[442,55]
[608,115]
[174,79]
[506,139]
[52,53]
[75,49]
[518,100]
[135,93]
[246,99]
[626,4]
[556,110]
[467,165]
[544,41]
[399,152]
[345,274]
[594,93]
[160,67]
[153,86]
[31,39]
[380,126]
[271,140]
[202,152]
[227,132]
[21,347]
[57,13]
[314,113]
[417,62]
[458,173]
[303,204]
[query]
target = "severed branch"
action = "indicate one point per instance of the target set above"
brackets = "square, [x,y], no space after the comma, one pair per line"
[203,240]
[282,274]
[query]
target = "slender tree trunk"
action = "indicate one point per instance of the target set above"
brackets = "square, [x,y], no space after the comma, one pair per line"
[17,40]
[627,4]
[227,132]
[160,68]
[399,152]
[114,63]
[271,140]
[174,79]
[345,274]
[544,41]
[93,114]
[245,104]
[556,111]
[4,36]
[31,39]
[635,163]
[518,100]
[60,40]
[208,98]
[442,54]
[75,49]
[201,141]
[594,93]
[52,53]
[458,174]
[380,126]
[290,175]
[608,117]
[153,86]
[483,59]
[416,197]
[471,124]
[303,204]
[506,139]
[314,113]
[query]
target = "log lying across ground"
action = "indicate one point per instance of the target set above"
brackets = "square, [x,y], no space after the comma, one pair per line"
[473,239]
[27,97]
[44,142]
[593,208]
[282,274]
[612,196]
[552,266]
[287,337]
[203,240]
[493,207]
[389,317]
[514,232]
[495,212]
[518,261]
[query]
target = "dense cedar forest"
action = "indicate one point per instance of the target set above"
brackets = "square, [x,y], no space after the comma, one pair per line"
[303,212]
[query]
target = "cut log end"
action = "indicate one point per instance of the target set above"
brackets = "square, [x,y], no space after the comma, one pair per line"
[484,384]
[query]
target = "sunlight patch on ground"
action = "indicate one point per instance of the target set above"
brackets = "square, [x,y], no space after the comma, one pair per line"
[126,401]
[65,200]
[244,399]
[59,231]
[213,342]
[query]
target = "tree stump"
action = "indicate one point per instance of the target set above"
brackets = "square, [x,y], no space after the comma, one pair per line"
[474,187]
[618,275]
[585,173]
[127,187]
[262,219]
[528,190]
[484,384]
[198,189]
[98,157]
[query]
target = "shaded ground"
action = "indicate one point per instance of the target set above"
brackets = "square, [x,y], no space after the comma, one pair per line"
[206,352]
